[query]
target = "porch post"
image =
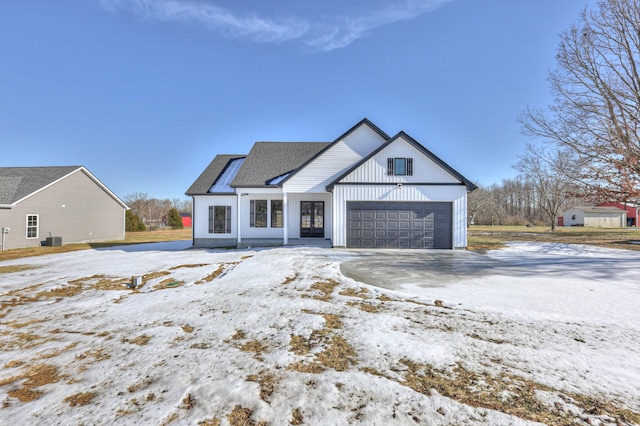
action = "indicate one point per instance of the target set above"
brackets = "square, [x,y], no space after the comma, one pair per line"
[238,198]
[285,217]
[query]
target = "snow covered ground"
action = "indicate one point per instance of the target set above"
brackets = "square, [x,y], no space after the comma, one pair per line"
[280,336]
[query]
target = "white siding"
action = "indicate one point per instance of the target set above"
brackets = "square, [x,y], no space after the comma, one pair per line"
[455,194]
[293,203]
[334,161]
[568,217]
[605,220]
[247,231]
[200,215]
[424,169]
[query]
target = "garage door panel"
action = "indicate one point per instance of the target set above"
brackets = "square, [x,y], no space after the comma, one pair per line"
[384,224]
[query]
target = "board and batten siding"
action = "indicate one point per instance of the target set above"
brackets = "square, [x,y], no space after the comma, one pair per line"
[293,208]
[75,208]
[334,161]
[201,204]
[457,195]
[424,169]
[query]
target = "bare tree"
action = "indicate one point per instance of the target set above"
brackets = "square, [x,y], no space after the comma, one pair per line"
[596,108]
[478,201]
[549,171]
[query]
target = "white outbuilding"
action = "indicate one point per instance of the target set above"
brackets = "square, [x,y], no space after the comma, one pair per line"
[605,217]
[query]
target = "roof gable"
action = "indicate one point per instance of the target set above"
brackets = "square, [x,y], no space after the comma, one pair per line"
[432,158]
[19,183]
[364,122]
[270,160]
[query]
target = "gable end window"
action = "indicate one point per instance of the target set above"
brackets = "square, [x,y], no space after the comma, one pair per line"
[258,213]
[32,225]
[219,219]
[399,166]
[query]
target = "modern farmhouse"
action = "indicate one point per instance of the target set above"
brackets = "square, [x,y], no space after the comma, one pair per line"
[57,204]
[364,190]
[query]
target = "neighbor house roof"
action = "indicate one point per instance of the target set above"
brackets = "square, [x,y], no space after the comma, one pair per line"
[268,161]
[592,209]
[209,176]
[18,183]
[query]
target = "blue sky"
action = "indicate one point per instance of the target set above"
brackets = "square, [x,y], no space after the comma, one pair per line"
[144,93]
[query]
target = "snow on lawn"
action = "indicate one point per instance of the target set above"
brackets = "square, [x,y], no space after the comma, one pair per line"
[280,336]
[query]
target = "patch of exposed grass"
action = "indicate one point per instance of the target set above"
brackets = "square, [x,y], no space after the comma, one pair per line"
[266,381]
[215,274]
[241,416]
[506,393]
[482,238]
[209,422]
[187,328]
[23,341]
[189,265]
[80,399]
[325,287]
[288,280]
[362,293]
[140,340]
[36,376]
[131,238]
[296,417]
[168,283]
[366,307]
[335,353]
[17,268]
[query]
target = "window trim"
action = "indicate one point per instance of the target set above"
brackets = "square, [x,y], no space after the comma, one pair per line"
[392,169]
[253,213]
[274,213]
[30,227]
[227,219]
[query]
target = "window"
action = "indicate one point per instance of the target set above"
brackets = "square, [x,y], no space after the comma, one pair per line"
[219,219]
[258,213]
[32,226]
[400,166]
[276,213]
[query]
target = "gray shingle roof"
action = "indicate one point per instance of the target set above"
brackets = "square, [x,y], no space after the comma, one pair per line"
[268,160]
[19,182]
[593,209]
[210,174]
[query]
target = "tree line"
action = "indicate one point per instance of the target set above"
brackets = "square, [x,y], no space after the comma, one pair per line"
[153,213]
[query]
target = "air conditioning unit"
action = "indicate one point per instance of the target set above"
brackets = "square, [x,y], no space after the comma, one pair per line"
[54,241]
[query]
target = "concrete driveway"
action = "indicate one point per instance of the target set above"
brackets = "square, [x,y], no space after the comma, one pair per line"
[426,268]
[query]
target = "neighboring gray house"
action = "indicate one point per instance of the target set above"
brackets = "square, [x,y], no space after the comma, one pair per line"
[66,202]
[606,217]
[365,189]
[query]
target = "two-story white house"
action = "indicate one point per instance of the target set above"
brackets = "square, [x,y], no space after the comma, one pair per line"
[363,190]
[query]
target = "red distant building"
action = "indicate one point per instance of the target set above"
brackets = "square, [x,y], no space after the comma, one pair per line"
[186,219]
[632,211]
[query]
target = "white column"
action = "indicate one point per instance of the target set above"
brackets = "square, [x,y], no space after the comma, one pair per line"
[285,218]
[238,198]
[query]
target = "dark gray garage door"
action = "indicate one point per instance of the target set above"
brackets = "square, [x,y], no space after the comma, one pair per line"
[390,224]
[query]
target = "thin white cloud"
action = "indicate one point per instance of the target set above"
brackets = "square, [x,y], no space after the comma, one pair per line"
[333,33]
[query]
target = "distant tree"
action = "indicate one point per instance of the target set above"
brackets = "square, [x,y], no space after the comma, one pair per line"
[549,171]
[174,220]
[133,223]
[596,110]
[478,201]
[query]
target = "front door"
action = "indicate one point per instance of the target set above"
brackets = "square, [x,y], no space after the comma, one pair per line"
[311,219]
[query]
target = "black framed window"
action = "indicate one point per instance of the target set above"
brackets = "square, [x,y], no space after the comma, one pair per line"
[276,213]
[400,166]
[219,219]
[258,213]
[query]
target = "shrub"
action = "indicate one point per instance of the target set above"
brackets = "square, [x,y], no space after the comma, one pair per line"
[133,222]
[174,220]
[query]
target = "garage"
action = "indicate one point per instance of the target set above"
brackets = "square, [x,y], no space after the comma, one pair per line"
[393,224]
